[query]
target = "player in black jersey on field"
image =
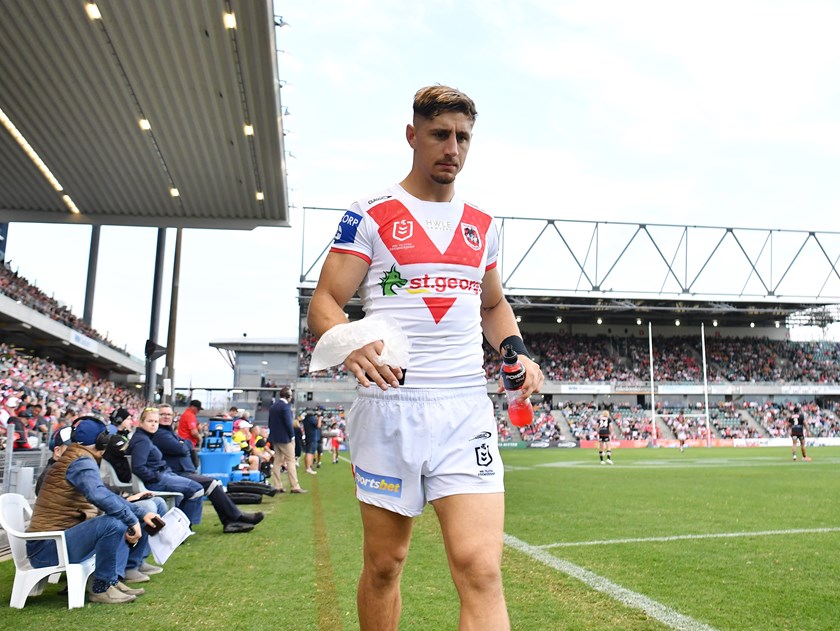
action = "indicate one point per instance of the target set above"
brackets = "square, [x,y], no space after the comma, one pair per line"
[604,437]
[798,432]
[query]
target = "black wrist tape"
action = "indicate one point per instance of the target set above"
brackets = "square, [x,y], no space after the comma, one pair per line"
[516,343]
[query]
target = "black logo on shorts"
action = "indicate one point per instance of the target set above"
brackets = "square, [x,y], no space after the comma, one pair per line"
[482,455]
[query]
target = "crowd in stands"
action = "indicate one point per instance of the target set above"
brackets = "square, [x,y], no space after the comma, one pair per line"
[601,359]
[58,393]
[774,417]
[21,290]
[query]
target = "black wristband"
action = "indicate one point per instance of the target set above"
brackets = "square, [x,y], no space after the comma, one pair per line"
[516,343]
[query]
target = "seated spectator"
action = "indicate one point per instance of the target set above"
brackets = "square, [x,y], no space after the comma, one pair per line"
[71,497]
[147,463]
[242,437]
[178,455]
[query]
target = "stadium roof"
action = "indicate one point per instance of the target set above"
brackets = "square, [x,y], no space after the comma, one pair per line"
[76,89]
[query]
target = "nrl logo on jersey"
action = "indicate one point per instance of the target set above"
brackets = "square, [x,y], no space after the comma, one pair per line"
[403,230]
[471,236]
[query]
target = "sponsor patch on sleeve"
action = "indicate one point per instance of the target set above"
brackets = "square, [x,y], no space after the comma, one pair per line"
[347,228]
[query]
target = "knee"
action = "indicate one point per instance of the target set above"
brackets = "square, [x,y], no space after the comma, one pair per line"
[385,566]
[478,572]
[111,526]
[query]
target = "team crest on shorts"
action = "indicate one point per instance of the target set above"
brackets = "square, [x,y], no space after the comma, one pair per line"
[403,230]
[482,455]
[471,236]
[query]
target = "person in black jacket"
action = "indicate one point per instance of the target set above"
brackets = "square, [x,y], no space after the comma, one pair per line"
[178,455]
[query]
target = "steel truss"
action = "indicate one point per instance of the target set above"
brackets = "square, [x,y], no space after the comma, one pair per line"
[623,262]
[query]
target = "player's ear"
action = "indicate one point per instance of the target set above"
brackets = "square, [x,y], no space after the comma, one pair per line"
[411,135]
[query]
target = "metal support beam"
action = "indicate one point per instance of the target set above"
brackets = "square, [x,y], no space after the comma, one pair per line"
[154,319]
[173,316]
[93,262]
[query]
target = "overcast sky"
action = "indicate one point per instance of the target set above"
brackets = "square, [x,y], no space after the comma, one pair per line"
[713,113]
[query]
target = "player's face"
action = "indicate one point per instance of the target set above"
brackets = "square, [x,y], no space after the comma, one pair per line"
[440,145]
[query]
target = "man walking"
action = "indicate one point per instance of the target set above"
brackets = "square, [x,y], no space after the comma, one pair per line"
[418,253]
[281,435]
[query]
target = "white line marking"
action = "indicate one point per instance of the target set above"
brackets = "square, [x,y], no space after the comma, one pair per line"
[655,610]
[718,535]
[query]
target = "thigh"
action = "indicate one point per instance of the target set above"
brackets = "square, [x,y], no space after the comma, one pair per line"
[472,527]
[386,534]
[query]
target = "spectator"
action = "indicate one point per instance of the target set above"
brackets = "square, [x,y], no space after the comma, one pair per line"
[188,423]
[71,497]
[178,455]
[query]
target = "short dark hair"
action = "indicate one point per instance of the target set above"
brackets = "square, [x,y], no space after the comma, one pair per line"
[436,99]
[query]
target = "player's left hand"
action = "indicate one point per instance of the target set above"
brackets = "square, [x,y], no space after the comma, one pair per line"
[534,378]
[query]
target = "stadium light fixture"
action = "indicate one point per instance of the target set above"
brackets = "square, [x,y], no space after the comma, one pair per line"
[264,363]
[777,324]
[639,321]
[559,320]
[229,20]
[279,22]
[260,196]
[93,11]
[145,125]
[714,322]
[29,151]
[249,130]
[676,322]
[752,325]
[519,318]
[174,192]
[70,204]
[599,321]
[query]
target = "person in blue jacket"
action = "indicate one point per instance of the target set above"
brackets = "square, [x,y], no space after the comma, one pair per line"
[147,463]
[177,453]
[94,519]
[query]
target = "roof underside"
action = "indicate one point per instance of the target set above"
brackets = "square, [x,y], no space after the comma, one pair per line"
[77,88]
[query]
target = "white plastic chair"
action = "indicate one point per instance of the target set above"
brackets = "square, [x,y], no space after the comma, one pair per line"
[14,512]
[109,476]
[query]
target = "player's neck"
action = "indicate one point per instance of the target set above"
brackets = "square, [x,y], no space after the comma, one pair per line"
[427,190]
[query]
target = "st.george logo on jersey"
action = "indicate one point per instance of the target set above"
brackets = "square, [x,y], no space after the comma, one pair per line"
[471,236]
[403,229]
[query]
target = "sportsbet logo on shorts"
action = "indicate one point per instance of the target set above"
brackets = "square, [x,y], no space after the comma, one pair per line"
[375,483]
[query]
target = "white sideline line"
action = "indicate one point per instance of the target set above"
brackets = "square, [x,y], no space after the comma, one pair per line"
[718,535]
[665,615]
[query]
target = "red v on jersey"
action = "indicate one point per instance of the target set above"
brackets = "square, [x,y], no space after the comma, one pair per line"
[408,243]
[438,306]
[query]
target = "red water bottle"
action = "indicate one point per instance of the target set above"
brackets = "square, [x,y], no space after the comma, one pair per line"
[520,411]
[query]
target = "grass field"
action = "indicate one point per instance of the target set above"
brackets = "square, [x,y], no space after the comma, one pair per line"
[708,539]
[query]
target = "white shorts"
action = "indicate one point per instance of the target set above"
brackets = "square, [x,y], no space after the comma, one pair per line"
[410,446]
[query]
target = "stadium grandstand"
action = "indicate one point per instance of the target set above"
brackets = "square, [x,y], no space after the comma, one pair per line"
[600,303]
[130,106]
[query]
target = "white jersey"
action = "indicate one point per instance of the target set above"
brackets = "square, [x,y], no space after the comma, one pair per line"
[427,261]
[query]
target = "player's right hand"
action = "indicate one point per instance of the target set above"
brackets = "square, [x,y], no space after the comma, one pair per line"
[362,363]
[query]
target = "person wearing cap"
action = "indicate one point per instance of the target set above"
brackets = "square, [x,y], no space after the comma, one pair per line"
[178,455]
[188,423]
[70,499]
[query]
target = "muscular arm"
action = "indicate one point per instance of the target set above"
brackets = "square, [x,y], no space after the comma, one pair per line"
[498,323]
[340,278]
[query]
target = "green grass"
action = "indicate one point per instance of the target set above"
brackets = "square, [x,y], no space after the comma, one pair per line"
[298,569]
